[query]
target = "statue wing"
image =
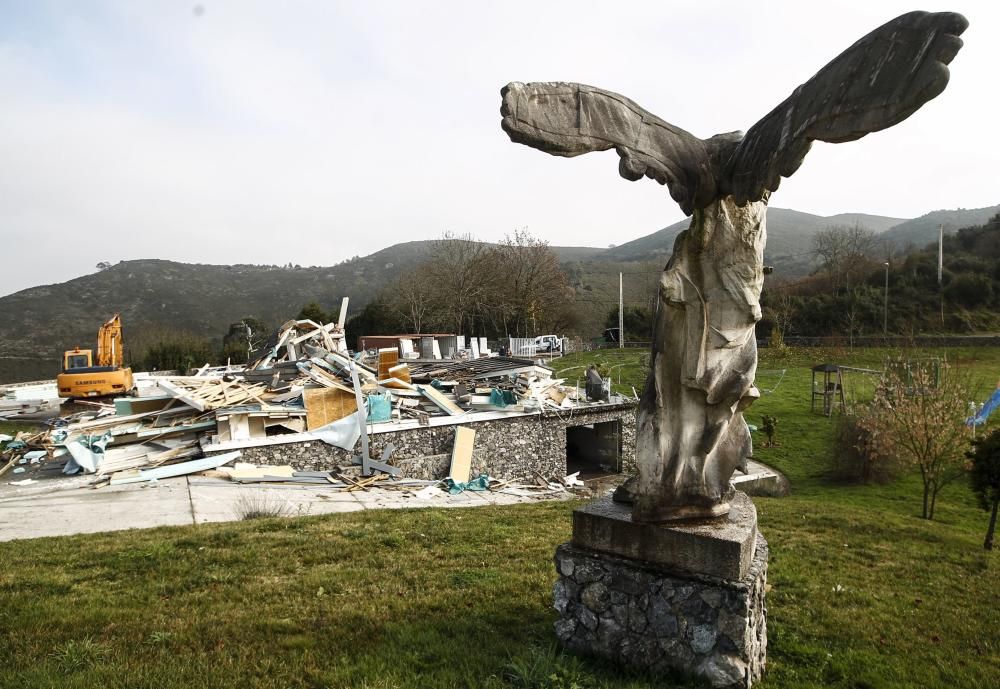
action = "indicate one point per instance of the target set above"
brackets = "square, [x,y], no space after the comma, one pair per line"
[568,120]
[876,83]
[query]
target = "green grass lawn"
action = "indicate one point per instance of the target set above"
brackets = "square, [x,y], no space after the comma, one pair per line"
[863,593]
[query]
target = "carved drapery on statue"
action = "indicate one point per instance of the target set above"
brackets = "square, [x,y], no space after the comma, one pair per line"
[691,434]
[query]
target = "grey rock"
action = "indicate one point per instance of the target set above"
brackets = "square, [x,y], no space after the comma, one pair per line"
[611,634]
[690,433]
[560,596]
[565,628]
[587,618]
[636,616]
[626,582]
[586,572]
[620,614]
[733,626]
[662,621]
[703,638]
[596,597]
[724,671]
[712,596]
[566,566]
[723,644]
[694,608]
[682,593]
[680,655]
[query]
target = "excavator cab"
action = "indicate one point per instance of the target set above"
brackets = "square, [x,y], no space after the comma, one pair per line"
[77,358]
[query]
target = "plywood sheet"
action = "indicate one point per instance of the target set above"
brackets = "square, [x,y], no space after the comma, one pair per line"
[461,455]
[387,359]
[326,405]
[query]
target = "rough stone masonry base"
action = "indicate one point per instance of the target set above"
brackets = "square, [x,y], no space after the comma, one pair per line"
[637,614]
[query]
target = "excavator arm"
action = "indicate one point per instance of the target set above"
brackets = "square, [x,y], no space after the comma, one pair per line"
[109,342]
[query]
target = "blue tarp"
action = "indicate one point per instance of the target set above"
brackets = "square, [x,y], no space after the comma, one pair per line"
[988,407]
[482,482]
[379,408]
[502,398]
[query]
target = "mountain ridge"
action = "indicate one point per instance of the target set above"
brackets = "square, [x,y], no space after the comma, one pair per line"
[157,295]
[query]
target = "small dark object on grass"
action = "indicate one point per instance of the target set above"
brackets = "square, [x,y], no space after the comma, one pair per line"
[769,425]
[985,478]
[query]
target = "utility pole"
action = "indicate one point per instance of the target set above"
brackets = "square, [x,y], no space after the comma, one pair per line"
[621,315]
[885,306]
[941,269]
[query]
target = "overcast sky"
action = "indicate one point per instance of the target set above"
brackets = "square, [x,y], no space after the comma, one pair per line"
[310,132]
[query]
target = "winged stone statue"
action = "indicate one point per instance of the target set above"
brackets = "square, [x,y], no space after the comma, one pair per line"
[690,433]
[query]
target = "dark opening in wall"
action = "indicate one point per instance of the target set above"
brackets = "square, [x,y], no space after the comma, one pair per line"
[595,449]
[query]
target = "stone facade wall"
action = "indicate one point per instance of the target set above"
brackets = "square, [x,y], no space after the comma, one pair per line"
[509,448]
[630,613]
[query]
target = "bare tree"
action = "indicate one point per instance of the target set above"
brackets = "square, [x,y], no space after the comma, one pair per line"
[845,252]
[532,292]
[515,287]
[779,304]
[413,297]
[459,273]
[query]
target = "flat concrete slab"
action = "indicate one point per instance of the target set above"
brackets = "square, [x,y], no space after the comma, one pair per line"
[721,548]
[66,505]
[85,510]
[761,480]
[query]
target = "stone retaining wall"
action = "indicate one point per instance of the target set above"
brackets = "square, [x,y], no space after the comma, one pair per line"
[636,615]
[509,448]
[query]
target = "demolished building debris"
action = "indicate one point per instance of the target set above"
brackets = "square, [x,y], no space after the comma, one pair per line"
[383,417]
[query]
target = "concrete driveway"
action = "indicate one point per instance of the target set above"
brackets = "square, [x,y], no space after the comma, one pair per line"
[61,506]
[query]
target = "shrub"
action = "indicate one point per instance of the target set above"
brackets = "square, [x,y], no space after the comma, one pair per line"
[985,479]
[920,421]
[854,457]
[74,655]
[259,505]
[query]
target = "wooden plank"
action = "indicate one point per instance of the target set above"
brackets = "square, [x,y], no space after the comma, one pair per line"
[326,405]
[243,471]
[396,384]
[400,371]
[432,393]
[342,317]
[319,368]
[461,455]
[182,394]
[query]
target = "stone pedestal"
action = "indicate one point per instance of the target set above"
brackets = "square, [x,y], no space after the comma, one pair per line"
[685,599]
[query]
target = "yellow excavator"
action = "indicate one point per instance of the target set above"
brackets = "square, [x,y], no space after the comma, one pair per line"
[82,376]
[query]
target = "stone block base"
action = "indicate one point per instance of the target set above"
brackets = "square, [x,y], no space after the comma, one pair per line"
[637,614]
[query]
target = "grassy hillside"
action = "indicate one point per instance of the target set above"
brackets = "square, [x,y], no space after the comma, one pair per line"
[863,593]
[37,324]
[789,234]
[922,231]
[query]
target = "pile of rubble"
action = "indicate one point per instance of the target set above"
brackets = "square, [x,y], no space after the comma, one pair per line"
[302,381]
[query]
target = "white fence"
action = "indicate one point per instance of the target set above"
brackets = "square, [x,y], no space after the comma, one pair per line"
[527,347]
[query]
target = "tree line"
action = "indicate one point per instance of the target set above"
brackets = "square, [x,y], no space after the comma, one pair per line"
[513,288]
[846,295]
